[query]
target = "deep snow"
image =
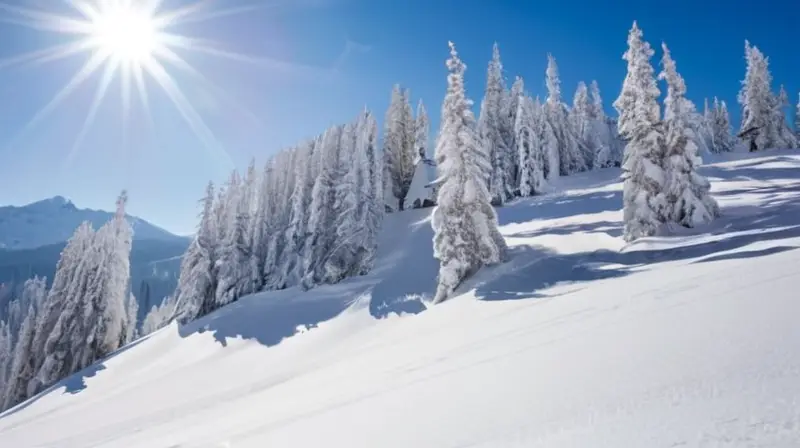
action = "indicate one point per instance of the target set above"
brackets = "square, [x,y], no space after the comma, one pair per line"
[579,341]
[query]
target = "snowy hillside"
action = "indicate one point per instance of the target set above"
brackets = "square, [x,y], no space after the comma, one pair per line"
[578,341]
[54,220]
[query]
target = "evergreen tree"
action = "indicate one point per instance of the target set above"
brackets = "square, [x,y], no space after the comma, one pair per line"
[259,238]
[466,236]
[5,357]
[23,361]
[298,220]
[607,152]
[529,145]
[570,155]
[762,120]
[234,278]
[687,192]
[398,147]
[721,127]
[59,303]
[342,259]
[421,129]
[197,282]
[787,136]
[131,322]
[491,130]
[67,345]
[510,110]
[644,202]
[584,126]
[116,293]
[321,218]
[159,316]
[797,118]
[369,205]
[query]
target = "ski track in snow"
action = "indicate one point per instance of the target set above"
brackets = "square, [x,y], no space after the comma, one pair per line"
[683,340]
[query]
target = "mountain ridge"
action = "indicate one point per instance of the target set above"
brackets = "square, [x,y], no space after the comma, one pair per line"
[53,220]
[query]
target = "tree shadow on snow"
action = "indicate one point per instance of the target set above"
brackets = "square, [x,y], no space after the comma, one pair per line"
[759,169]
[611,228]
[72,384]
[556,206]
[398,284]
[737,227]
[270,318]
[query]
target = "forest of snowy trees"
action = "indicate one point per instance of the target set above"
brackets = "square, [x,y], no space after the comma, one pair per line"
[86,314]
[312,215]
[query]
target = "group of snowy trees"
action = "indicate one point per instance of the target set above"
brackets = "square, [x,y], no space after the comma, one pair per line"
[405,143]
[529,142]
[87,313]
[661,182]
[311,217]
[764,123]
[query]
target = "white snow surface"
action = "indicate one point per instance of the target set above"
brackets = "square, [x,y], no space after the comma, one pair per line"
[684,340]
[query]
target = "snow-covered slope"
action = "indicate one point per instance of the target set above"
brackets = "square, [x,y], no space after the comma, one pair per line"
[579,341]
[53,220]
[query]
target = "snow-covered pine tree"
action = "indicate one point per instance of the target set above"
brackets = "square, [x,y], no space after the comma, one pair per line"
[300,201]
[797,118]
[491,131]
[321,216]
[466,236]
[421,130]
[5,357]
[570,155]
[64,345]
[644,180]
[605,153]
[59,297]
[343,257]
[24,360]
[159,316]
[529,146]
[234,259]
[280,219]
[284,206]
[259,238]
[758,103]
[131,323]
[721,127]
[510,108]
[107,288]
[398,146]
[687,192]
[788,138]
[708,126]
[20,372]
[368,135]
[197,282]
[583,124]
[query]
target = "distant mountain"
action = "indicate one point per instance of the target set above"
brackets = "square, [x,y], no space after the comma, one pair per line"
[53,221]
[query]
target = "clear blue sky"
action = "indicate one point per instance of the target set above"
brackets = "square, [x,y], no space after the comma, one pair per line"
[336,57]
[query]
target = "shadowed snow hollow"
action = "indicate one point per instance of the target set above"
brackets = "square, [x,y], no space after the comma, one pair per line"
[578,341]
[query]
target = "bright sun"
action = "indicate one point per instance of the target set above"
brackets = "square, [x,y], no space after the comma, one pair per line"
[134,43]
[125,33]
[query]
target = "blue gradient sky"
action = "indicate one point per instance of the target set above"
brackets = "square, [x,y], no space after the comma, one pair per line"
[336,56]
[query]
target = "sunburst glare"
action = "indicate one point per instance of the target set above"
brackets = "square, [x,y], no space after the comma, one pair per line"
[130,40]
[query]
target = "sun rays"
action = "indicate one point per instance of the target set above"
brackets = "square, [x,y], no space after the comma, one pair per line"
[131,43]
